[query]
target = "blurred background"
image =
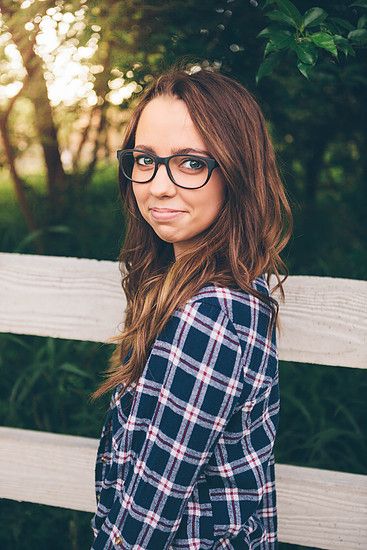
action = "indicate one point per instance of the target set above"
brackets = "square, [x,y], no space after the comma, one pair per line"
[70,73]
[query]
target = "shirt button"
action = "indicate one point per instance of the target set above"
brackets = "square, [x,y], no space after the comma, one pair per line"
[118,540]
[104,458]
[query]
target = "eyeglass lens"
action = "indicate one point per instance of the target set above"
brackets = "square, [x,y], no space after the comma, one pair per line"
[186,170]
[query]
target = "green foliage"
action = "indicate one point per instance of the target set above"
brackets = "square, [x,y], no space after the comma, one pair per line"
[321,419]
[80,233]
[66,370]
[306,35]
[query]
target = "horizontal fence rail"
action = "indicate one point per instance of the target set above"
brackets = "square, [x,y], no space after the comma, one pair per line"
[318,508]
[323,321]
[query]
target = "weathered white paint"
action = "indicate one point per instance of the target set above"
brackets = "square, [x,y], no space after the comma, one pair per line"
[323,319]
[47,468]
[321,508]
[72,298]
[318,508]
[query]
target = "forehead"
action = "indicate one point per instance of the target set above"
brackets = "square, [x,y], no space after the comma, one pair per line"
[166,120]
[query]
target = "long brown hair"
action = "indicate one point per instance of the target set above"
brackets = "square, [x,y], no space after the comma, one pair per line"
[245,240]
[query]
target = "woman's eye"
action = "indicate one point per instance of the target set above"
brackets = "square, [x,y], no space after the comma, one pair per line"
[144,161]
[193,164]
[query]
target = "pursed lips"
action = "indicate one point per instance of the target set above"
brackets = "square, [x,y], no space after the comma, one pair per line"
[166,210]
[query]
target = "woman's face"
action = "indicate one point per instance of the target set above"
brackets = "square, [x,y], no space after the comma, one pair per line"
[165,126]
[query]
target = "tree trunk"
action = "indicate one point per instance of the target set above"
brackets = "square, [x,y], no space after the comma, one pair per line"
[19,186]
[83,139]
[47,134]
[97,143]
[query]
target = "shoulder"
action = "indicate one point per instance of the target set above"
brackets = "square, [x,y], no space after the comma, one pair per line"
[235,303]
[221,327]
[228,316]
[245,315]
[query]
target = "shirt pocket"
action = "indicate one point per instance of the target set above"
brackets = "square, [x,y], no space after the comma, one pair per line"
[238,426]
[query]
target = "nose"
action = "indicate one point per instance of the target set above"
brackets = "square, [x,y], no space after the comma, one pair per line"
[161,183]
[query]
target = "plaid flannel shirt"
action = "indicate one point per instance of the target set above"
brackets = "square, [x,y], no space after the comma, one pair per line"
[186,461]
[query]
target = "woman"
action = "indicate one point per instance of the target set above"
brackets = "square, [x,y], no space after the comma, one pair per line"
[186,456]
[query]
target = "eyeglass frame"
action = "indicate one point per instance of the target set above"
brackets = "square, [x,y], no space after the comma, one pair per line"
[210,162]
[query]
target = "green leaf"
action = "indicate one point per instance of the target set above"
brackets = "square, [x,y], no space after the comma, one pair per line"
[306,53]
[69,367]
[264,33]
[312,17]
[341,23]
[362,21]
[350,417]
[298,404]
[343,45]
[304,68]
[33,235]
[281,38]
[359,36]
[290,9]
[270,47]
[25,386]
[277,15]
[325,41]
[267,66]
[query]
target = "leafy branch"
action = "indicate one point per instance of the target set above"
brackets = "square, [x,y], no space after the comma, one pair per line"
[307,34]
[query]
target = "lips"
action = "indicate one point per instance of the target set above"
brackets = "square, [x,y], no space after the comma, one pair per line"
[165,215]
[165,210]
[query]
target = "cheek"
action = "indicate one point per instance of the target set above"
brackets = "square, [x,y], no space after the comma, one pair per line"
[209,206]
[209,213]
[212,201]
[140,196]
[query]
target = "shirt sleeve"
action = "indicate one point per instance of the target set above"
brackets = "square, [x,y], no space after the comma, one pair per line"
[188,391]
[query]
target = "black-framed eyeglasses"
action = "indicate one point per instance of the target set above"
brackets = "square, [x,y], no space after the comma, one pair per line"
[187,171]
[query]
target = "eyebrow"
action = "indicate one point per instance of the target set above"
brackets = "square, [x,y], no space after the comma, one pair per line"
[174,151]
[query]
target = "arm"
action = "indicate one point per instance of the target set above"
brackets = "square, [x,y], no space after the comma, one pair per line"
[175,426]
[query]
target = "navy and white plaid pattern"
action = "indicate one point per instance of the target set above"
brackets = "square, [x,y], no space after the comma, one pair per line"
[186,461]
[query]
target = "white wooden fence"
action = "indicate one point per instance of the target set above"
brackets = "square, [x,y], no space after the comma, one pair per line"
[323,321]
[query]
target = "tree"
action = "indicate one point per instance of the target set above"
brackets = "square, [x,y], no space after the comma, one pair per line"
[306,49]
[35,87]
